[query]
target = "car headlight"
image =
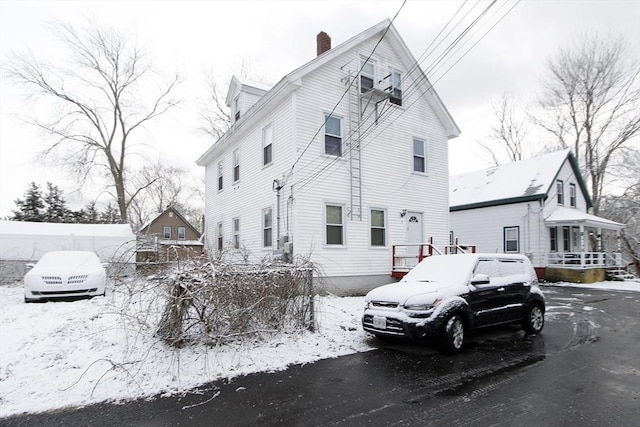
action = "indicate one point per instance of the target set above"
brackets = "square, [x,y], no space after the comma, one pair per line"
[416,305]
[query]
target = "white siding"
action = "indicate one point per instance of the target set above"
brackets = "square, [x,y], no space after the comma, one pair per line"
[388,182]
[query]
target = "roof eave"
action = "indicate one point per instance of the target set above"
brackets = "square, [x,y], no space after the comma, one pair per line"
[497,202]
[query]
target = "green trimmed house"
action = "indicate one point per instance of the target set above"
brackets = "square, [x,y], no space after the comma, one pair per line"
[538,207]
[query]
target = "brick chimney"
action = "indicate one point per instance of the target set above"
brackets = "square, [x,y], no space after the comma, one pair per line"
[323,42]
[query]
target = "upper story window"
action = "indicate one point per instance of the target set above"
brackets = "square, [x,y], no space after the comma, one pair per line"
[182,233]
[378,229]
[511,239]
[419,155]
[332,135]
[236,165]
[572,195]
[367,75]
[334,220]
[267,228]
[396,87]
[220,176]
[236,108]
[560,192]
[267,145]
[166,232]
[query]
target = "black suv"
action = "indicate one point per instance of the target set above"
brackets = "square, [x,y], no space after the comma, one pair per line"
[445,297]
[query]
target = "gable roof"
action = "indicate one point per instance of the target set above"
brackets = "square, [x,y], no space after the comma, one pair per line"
[522,181]
[292,81]
[146,225]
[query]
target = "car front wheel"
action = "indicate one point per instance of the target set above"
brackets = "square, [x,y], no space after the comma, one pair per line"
[533,321]
[453,337]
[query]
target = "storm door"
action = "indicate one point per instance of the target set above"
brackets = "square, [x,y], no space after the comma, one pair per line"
[414,236]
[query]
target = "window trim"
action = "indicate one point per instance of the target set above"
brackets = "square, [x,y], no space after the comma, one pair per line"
[341,225]
[383,228]
[220,176]
[220,237]
[265,228]
[553,239]
[236,107]
[573,201]
[164,232]
[184,232]
[236,165]
[392,87]
[340,137]
[560,192]
[415,156]
[267,130]
[235,232]
[505,241]
[373,77]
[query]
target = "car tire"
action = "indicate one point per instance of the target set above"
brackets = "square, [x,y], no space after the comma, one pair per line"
[533,321]
[453,334]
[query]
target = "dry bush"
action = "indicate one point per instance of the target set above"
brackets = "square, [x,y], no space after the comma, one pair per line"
[214,302]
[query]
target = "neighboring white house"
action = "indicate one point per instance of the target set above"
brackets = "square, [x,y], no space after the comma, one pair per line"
[342,159]
[22,242]
[538,207]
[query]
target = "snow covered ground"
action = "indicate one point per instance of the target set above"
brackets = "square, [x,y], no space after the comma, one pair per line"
[76,353]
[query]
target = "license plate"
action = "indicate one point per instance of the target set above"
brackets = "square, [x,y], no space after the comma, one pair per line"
[379,322]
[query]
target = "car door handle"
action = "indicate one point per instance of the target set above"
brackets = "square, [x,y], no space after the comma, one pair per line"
[500,289]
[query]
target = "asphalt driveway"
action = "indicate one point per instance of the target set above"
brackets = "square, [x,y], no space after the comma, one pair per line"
[583,369]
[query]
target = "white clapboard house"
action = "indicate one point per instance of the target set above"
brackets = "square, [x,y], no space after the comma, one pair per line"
[538,207]
[344,158]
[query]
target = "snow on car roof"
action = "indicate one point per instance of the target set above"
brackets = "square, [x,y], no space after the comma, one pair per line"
[526,178]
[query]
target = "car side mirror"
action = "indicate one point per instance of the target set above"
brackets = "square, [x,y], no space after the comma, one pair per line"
[480,279]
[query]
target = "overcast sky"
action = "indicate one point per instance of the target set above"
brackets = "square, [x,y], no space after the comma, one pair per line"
[277,37]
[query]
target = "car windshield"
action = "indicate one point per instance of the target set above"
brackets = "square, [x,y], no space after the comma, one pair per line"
[442,268]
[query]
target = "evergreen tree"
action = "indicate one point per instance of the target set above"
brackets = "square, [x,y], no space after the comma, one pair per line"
[31,208]
[91,215]
[56,210]
[109,215]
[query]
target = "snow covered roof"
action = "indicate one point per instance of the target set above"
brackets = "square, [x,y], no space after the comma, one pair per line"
[521,181]
[293,80]
[56,229]
[564,215]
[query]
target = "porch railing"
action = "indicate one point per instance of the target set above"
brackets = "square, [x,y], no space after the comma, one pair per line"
[405,257]
[584,259]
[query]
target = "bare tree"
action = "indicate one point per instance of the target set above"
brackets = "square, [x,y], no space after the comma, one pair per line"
[169,186]
[507,138]
[591,95]
[104,94]
[625,206]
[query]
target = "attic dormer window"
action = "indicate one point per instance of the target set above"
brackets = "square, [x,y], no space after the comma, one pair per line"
[236,107]
[367,75]
[395,78]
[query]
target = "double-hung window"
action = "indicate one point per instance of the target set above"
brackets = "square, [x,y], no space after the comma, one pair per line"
[166,232]
[572,195]
[267,228]
[419,155]
[396,87]
[553,239]
[334,225]
[367,75]
[182,233]
[220,238]
[378,229]
[236,232]
[236,165]
[332,135]
[267,145]
[512,239]
[236,108]
[220,176]
[560,192]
